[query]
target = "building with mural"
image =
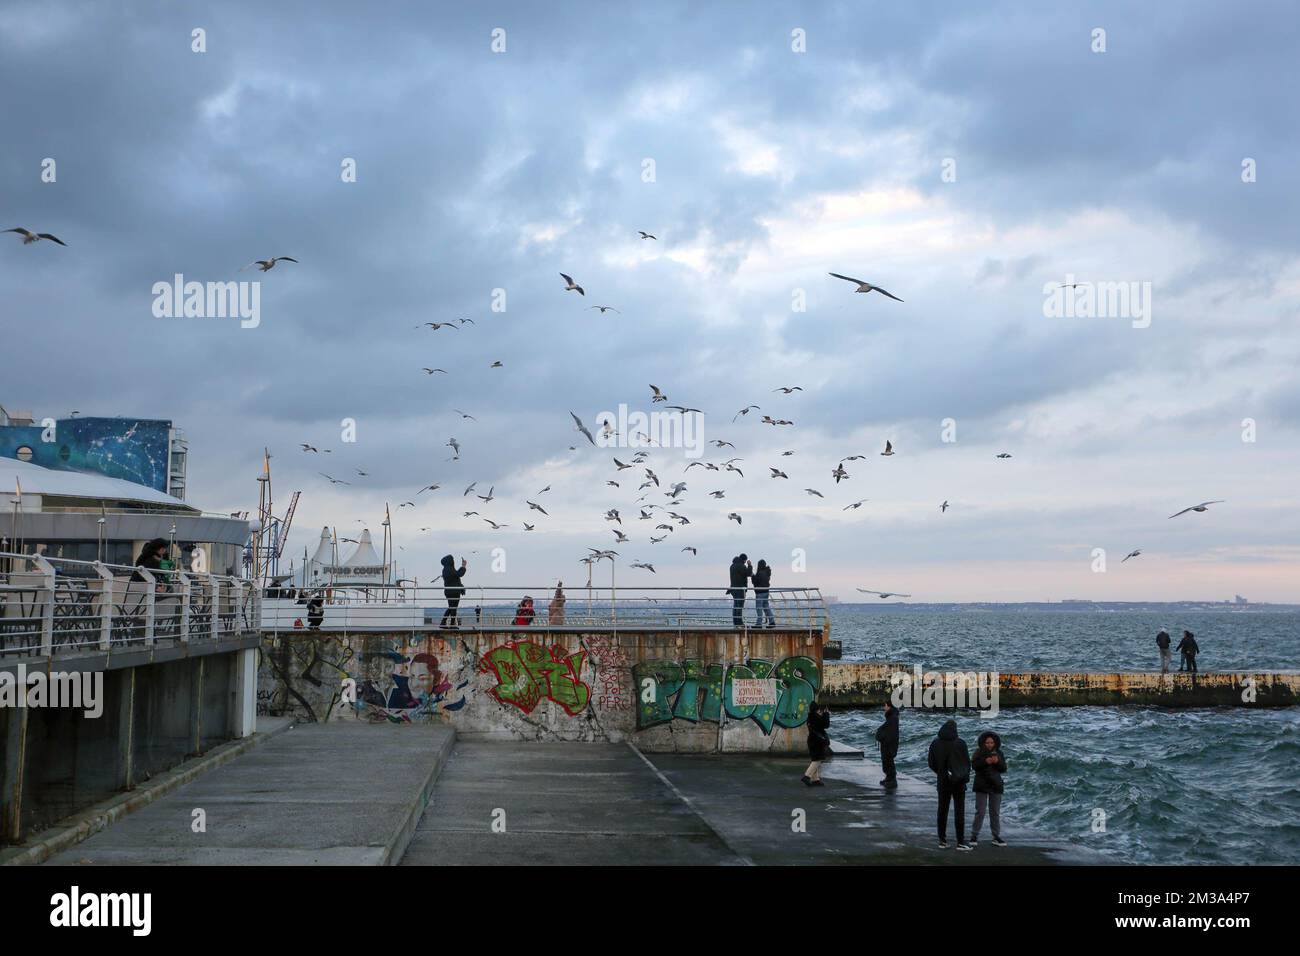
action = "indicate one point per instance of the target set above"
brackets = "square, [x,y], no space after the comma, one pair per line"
[144,451]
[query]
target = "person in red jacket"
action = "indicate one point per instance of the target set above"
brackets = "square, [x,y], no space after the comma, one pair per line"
[524,613]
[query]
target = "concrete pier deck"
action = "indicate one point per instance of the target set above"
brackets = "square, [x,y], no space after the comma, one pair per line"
[609,804]
[346,794]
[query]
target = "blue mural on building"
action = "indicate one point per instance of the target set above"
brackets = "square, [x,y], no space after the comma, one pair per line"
[134,449]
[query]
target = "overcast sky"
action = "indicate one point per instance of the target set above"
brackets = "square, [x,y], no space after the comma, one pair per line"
[479,171]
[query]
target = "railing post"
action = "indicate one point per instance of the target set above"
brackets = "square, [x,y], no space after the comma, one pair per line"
[104,605]
[236,604]
[46,570]
[215,623]
[150,594]
[184,580]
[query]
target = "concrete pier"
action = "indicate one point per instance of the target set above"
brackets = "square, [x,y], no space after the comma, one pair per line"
[863,684]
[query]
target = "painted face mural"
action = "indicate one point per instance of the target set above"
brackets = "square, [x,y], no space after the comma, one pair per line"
[695,691]
[416,688]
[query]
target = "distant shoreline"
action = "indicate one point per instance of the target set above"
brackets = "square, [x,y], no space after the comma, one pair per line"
[1066,606]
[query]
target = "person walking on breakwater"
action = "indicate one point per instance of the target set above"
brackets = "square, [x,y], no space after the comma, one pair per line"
[887,735]
[762,603]
[1189,649]
[1162,642]
[740,571]
[990,765]
[819,744]
[555,613]
[950,761]
[452,589]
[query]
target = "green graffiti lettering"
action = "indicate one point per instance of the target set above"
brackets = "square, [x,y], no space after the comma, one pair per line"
[667,678]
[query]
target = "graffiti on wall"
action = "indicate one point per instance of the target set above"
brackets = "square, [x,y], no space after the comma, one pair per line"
[694,690]
[526,673]
[416,687]
[610,663]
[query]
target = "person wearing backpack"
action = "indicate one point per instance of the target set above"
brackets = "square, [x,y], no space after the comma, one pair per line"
[989,765]
[950,760]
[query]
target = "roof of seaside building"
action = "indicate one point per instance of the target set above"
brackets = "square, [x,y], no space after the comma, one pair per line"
[364,556]
[36,479]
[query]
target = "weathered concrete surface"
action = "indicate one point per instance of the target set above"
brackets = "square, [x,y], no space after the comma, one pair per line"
[855,684]
[586,804]
[81,826]
[751,802]
[347,794]
[604,804]
[555,684]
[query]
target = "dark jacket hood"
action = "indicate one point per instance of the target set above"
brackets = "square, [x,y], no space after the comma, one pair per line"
[448,561]
[948,731]
[997,741]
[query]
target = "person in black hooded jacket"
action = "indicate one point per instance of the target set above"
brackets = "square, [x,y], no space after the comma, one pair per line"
[1189,649]
[819,743]
[452,590]
[950,761]
[887,735]
[989,765]
[740,572]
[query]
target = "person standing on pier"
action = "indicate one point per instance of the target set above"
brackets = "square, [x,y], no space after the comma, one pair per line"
[1189,649]
[555,613]
[887,735]
[950,760]
[1162,642]
[990,765]
[819,743]
[452,589]
[741,571]
[762,603]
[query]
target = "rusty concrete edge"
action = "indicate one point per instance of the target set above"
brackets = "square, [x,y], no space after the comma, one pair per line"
[396,847]
[87,823]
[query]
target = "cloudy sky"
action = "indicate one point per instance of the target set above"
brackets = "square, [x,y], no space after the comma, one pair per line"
[965,157]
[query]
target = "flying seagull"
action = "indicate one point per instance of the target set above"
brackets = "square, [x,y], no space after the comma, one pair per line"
[735,517]
[1203,506]
[943,507]
[856,504]
[889,449]
[604,308]
[1002,455]
[570,285]
[1131,554]
[581,427]
[430,371]
[29,237]
[884,594]
[334,481]
[865,286]
[266,265]
[743,411]
[788,390]
[658,396]
[646,235]
[814,491]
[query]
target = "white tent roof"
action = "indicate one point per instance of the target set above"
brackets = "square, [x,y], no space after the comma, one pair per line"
[325,550]
[364,556]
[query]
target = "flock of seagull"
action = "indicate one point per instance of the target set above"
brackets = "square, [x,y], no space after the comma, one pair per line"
[650,481]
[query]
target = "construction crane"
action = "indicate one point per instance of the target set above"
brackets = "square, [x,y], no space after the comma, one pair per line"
[282,529]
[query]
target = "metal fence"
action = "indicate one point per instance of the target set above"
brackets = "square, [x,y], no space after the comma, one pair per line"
[54,605]
[502,608]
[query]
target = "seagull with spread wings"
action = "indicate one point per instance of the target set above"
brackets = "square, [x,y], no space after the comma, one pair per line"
[1203,506]
[864,286]
[266,265]
[29,237]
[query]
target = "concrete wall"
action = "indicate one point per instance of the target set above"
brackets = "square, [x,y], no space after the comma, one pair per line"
[58,761]
[854,684]
[555,685]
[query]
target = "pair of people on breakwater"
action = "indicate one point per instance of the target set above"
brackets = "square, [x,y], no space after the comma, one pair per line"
[950,760]
[1187,648]
[741,573]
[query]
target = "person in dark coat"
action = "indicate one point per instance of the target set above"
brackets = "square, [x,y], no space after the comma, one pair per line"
[1189,649]
[762,605]
[452,589]
[1162,642]
[151,557]
[819,744]
[989,765]
[950,761]
[740,571]
[887,735]
[315,611]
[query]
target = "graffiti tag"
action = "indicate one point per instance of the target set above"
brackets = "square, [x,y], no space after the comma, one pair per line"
[527,672]
[695,691]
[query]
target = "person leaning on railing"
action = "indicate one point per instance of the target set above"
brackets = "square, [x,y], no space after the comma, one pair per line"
[151,558]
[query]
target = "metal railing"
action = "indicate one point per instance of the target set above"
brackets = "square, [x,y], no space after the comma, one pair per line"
[500,608]
[56,605]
